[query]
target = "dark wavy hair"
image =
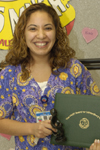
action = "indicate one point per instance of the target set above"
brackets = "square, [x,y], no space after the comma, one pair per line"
[18,53]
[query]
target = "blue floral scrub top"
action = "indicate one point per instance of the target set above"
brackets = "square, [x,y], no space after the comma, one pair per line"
[22,99]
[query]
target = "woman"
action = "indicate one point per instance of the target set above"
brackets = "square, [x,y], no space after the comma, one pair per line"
[40,62]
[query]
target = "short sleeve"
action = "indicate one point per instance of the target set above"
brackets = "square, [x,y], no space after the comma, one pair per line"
[6,80]
[85,84]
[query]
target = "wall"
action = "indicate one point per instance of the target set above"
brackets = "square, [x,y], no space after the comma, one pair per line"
[87,15]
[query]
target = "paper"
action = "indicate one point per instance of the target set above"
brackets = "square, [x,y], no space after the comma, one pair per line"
[69,27]
[89,34]
[8,137]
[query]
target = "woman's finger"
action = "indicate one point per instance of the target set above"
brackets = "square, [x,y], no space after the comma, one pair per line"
[95,145]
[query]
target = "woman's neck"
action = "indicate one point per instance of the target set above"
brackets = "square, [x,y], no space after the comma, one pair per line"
[40,70]
[39,59]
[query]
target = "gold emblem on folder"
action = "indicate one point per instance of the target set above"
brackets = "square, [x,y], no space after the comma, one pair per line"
[84,123]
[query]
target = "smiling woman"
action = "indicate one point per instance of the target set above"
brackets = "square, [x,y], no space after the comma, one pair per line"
[39,64]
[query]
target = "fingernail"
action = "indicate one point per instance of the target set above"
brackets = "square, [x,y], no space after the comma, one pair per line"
[96,141]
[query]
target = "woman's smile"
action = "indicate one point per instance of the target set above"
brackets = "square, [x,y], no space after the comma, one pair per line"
[41,44]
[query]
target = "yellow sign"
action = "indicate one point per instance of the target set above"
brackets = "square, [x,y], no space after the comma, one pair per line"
[10,10]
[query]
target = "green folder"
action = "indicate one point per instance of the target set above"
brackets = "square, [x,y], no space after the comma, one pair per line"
[80,115]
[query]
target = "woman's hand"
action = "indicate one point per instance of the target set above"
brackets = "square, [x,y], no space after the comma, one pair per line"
[95,145]
[43,129]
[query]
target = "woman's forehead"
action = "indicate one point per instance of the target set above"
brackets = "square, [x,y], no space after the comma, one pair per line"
[40,14]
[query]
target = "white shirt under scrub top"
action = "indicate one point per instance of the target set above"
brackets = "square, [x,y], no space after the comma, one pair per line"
[42,85]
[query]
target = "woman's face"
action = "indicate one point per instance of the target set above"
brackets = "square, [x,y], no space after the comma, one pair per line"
[40,34]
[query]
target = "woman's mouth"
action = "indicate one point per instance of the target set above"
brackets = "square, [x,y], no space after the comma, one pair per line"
[40,44]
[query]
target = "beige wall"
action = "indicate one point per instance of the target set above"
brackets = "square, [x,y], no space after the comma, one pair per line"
[87,15]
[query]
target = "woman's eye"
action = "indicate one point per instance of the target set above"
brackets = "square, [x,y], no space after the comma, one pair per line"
[33,29]
[48,28]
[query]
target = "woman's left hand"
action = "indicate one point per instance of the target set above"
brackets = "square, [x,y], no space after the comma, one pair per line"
[95,145]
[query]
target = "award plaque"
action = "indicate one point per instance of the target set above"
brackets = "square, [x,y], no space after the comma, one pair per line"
[80,116]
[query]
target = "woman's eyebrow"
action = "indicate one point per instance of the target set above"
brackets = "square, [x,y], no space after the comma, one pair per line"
[48,24]
[31,25]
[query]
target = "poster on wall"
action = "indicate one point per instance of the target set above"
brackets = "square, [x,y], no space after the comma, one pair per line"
[10,11]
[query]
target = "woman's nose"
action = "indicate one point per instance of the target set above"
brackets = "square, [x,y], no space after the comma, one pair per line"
[41,34]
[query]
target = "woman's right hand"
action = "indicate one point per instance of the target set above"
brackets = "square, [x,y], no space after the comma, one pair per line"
[95,145]
[43,129]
